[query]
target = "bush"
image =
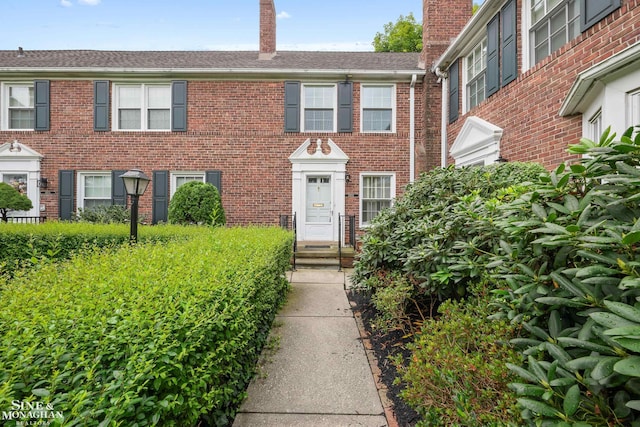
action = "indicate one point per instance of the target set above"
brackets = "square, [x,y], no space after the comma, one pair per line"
[458,374]
[113,214]
[196,203]
[571,262]
[147,334]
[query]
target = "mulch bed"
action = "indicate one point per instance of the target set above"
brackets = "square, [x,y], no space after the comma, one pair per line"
[385,345]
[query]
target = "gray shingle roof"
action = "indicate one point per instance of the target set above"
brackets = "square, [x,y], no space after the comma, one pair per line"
[210,61]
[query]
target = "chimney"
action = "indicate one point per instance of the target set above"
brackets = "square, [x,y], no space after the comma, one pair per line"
[442,21]
[267,29]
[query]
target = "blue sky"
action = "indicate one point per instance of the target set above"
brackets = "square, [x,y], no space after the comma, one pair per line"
[347,25]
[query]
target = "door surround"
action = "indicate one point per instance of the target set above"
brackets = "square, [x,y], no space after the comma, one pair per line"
[18,159]
[315,158]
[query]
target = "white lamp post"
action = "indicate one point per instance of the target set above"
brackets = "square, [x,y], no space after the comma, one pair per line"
[135,182]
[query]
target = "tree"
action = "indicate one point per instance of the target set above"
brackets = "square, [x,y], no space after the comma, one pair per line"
[403,36]
[12,200]
[196,202]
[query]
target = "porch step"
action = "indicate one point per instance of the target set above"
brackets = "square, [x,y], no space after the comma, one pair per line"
[322,255]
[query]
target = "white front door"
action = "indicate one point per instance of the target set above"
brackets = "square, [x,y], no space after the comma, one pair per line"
[318,208]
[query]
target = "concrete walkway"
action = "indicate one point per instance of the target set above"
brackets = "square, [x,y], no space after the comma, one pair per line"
[316,373]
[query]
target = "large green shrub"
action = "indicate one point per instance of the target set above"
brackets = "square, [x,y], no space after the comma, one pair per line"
[457,375]
[147,334]
[196,202]
[12,200]
[571,261]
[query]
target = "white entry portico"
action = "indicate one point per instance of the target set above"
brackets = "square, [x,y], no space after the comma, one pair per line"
[20,167]
[318,172]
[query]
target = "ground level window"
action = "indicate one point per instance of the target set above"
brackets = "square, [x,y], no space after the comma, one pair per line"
[377,193]
[180,178]
[94,189]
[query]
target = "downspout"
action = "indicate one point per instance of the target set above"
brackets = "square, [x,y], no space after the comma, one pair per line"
[412,129]
[442,77]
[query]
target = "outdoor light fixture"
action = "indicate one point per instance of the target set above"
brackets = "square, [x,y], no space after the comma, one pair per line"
[135,182]
[43,183]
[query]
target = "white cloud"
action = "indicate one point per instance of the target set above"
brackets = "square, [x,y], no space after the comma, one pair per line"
[90,2]
[65,3]
[283,15]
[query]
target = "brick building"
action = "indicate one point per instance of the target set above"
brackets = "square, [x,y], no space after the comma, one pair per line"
[319,134]
[525,78]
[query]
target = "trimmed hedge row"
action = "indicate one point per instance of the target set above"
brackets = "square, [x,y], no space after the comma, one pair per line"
[27,244]
[144,335]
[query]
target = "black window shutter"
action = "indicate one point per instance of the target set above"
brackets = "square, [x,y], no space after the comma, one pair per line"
[101,105]
[65,194]
[160,196]
[509,57]
[41,101]
[492,81]
[118,191]
[454,83]
[179,106]
[214,178]
[291,106]
[592,11]
[345,107]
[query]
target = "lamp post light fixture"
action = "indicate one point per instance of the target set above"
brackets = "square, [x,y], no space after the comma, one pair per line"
[135,182]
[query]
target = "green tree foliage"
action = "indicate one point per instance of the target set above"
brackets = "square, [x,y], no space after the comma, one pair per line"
[12,200]
[403,36]
[196,203]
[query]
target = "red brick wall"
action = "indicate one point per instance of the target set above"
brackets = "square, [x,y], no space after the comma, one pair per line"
[234,126]
[527,108]
[442,22]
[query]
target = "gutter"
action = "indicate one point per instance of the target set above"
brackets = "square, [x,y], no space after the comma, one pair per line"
[412,129]
[442,78]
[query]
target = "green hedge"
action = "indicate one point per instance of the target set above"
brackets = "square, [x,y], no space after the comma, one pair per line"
[28,244]
[144,335]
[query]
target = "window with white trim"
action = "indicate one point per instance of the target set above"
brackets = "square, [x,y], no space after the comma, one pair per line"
[634,108]
[180,178]
[377,191]
[94,189]
[142,107]
[594,127]
[476,66]
[377,103]
[319,108]
[18,112]
[553,24]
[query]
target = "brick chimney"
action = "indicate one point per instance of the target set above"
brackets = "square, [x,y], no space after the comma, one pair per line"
[442,21]
[267,29]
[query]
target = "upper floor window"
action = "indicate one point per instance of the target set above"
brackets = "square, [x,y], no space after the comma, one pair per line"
[377,103]
[142,107]
[553,24]
[20,111]
[319,110]
[476,65]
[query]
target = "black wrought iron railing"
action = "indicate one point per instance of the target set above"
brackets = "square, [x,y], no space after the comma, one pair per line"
[26,219]
[293,226]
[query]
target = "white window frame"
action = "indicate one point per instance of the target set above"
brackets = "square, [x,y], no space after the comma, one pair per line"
[482,47]
[392,107]
[334,101]
[4,104]
[633,108]
[594,126]
[529,39]
[144,106]
[81,177]
[184,174]
[392,194]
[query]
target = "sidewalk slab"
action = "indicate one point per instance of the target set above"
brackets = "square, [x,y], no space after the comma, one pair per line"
[316,275]
[312,299]
[303,420]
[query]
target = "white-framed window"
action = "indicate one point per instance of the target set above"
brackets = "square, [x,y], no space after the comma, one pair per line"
[594,126]
[319,107]
[377,102]
[377,191]
[553,24]
[476,67]
[142,107]
[180,178]
[18,112]
[634,108]
[94,189]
